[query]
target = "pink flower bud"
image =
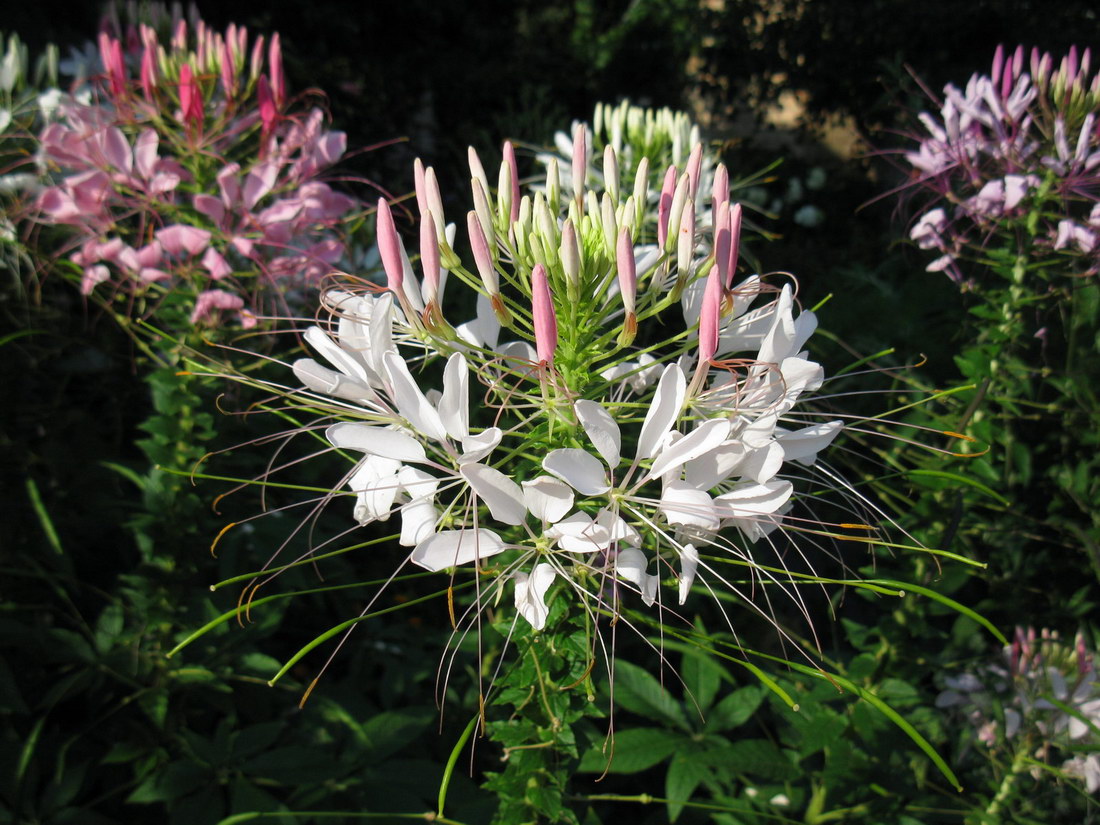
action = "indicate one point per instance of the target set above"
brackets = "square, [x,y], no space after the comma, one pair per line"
[735,243]
[580,160]
[720,191]
[482,258]
[390,248]
[694,169]
[228,71]
[542,310]
[149,71]
[429,258]
[269,114]
[418,186]
[275,66]
[257,62]
[110,53]
[570,253]
[664,205]
[628,275]
[191,103]
[708,317]
[722,241]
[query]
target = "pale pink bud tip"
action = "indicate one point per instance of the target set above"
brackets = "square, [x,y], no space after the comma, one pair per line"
[429,257]
[735,243]
[513,169]
[389,247]
[542,308]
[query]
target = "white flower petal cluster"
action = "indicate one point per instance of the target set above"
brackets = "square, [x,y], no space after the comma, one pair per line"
[587,458]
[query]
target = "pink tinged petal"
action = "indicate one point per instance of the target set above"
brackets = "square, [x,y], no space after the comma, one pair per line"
[689,563]
[579,469]
[477,447]
[513,178]
[530,594]
[435,200]
[676,215]
[630,565]
[803,445]
[429,257]
[503,496]
[321,379]
[706,437]
[627,271]
[683,504]
[709,317]
[182,240]
[454,405]
[258,182]
[210,206]
[547,499]
[685,243]
[377,441]
[215,264]
[411,403]
[579,165]
[94,275]
[229,185]
[664,410]
[664,205]
[116,150]
[148,71]
[418,186]
[451,548]
[602,430]
[212,300]
[542,308]
[390,248]
[145,153]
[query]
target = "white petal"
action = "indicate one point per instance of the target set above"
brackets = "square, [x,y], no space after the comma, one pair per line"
[803,445]
[707,471]
[578,533]
[411,403]
[418,520]
[450,548]
[417,484]
[689,563]
[374,500]
[754,499]
[579,469]
[454,406]
[630,564]
[321,379]
[502,495]
[601,429]
[706,437]
[476,447]
[547,498]
[381,334]
[617,528]
[340,358]
[763,463]
[683,504]
[531,594]
[378,441]
[668,400]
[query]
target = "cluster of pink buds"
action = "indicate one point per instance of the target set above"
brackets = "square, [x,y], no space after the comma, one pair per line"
[638,415]
[221,201]
[1015,155]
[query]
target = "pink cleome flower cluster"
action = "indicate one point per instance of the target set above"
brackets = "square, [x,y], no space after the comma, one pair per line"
[1015,154]
[191,170]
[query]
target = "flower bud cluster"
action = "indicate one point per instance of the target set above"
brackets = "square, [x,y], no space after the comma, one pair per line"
[618,413]
[1043,691]
[190,171]
[1013,155]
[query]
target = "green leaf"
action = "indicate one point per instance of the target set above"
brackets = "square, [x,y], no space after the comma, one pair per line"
[390,731]
[638,691]
[685,773]
[702,677]
[734,709]
[759,757]
[176,780]
[632,751]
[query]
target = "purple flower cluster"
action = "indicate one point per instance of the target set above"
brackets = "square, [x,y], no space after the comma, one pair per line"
[195,174]
[1015,156]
